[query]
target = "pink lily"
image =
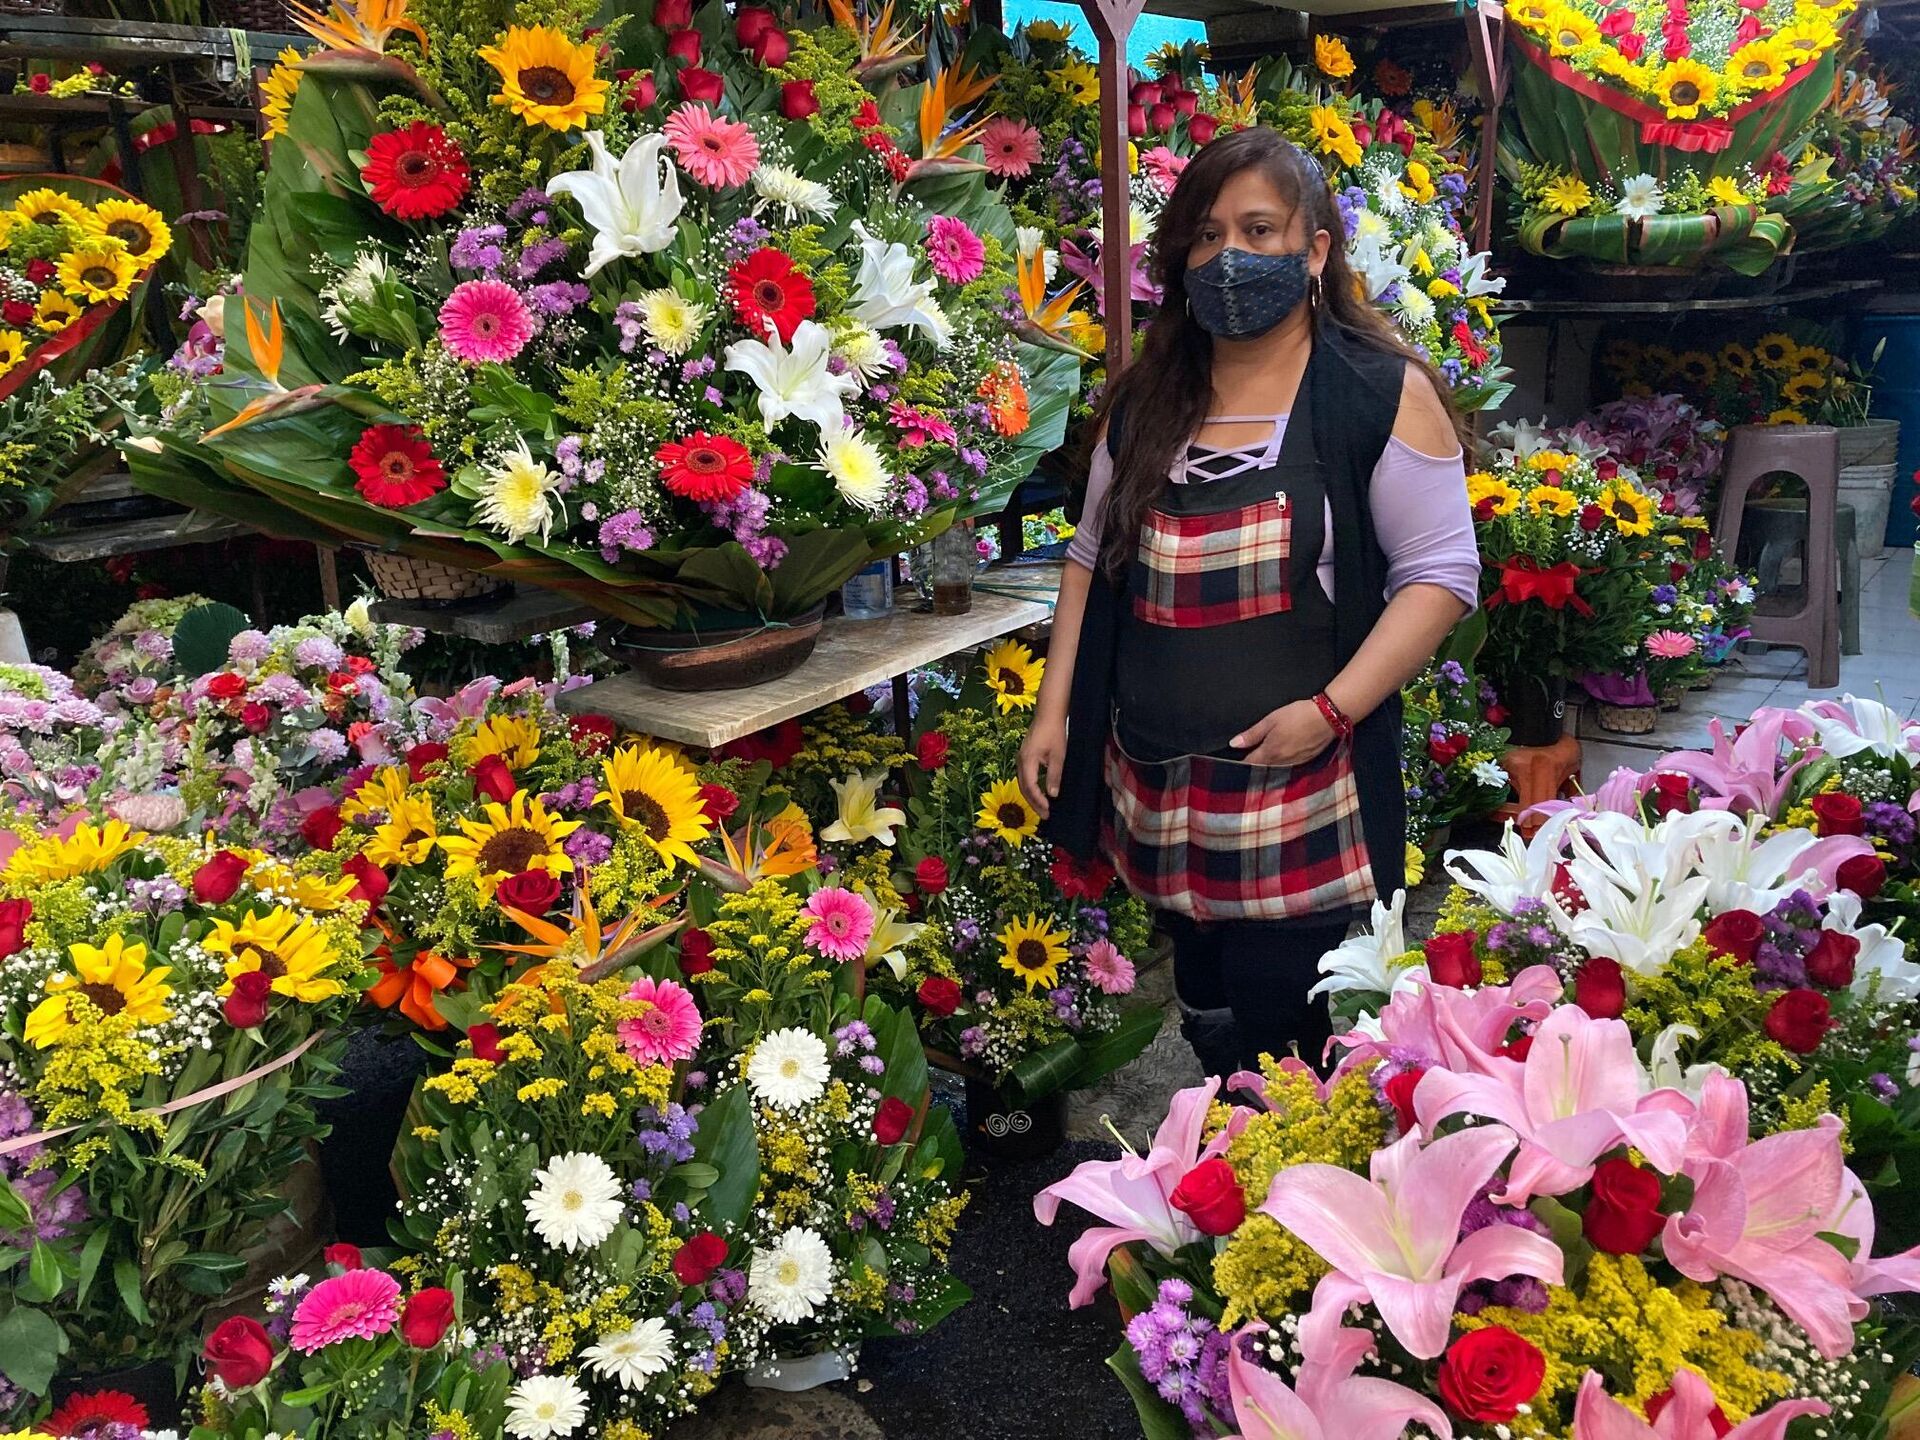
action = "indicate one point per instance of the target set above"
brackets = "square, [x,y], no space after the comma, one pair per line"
[1688,1415]
[1458,1030]
[1253,1083]
[467,703]
[1579,1093]
[1134,1193]
[1139,284]
[1866,1275]
[1619,794]
[1395,1239]
[1742,774]
[1326,1398]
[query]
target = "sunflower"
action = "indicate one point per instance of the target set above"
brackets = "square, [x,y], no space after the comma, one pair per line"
[1569,30]
[1006,815]
[1812,360]
[1078,81]
[381,793]
[516,740]
[648,788]
[277,92]
[51,207]
[1050,30]
[1567,195]
[1786,415]
[1736,359]
[98,271]
[1331,56]
[307,892]
[523,835]
[290,949]
[1615,66]
[1033,950]
[90,848]
[1759,65]
[1803,387]
[408,834]
[1552,500]
[1621,358]
[1685,88]
[545,78]
[13,349]
[1498,494]
[114,977]
[1660,359]
[1334,134]
[1807,38]
[1014,675]
[1776,351]
[1694,366]
[1532,14]
[55,312]
[1630,511]
[138,228]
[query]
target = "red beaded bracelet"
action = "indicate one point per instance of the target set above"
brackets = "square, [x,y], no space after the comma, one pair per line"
[1335,716]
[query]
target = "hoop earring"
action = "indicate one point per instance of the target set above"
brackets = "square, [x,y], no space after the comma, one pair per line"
[1316,292]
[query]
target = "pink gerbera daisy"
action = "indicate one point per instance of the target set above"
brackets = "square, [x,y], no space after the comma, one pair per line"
[1669,645]
[669,1031]
[717,152]
[957,253]
[485,320]
[842,923]
[1109,970]
[359,1305]
[1009,148]
[1163,167]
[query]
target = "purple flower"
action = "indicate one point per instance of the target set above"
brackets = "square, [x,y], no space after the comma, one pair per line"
[625,531]
[317,652]
[587,847]
[477,248]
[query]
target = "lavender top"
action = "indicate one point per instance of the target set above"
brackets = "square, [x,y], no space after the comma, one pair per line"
[1420,513]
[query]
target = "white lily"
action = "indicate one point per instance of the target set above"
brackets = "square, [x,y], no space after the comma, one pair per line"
[1852,725]
[633,204]
[1667,1073]
[1376,268]
[887,297]
[891,936]
[795,381]
[1364,963]
[1881,953]
[862,816]
[1641,899]
[1744,872]
[1474,279]
[1518,870]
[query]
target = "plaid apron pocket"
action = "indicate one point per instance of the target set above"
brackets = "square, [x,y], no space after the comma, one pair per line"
[1196,570]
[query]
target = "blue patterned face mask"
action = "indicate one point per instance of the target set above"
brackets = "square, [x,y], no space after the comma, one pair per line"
[1241,295]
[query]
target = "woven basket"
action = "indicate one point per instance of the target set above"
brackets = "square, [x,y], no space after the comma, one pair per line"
[1626,719]
[33,7]
[268,15]
[407,577]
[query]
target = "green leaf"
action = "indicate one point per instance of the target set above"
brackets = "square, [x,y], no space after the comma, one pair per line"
[1158,1419]
[14,1214]
[201,638]
[45,1278]
[726,1142]
[90,1257]
[126,1280]
[31,1345]
[696,1175]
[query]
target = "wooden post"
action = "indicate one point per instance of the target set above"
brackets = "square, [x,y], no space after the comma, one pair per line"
[1486,41]
[1112,22]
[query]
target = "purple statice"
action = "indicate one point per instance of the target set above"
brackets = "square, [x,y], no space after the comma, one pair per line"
[746,236]
[1526,939]
[1183,1356]
[575,795]
[161,896]
[1453,370]
[1883,1085]
[624,531]
[478,249]
[1454,673]
[666,1133]
[1519,1293]
[538,256]
[852,1039]
[1792,930]
[1889,821]
[587,847]
[1664,595]
[641,1190]
[1065,1009]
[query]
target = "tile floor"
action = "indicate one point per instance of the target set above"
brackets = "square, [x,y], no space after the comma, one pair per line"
[1888,669]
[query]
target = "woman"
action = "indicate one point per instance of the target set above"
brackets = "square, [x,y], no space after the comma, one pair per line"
[1276,538]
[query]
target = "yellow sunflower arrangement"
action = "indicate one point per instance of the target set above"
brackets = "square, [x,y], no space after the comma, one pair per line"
[98,271]
[13,349]
[1494,493]
[1776,351]
[89,849]
[50,207]
[55,312]
[1013,674]
[1034,951]
[1569,31]
[1735,359]
[289,949]
[1006,815]
[1078,81]
[509,839]
[1758,66]
[648,787]
[1696,367]
[408,834]
[113,978]
[1552,500]
[1630,510]
[1331,57]
[545,78]
[137,229]
[1686,88]
[383,793]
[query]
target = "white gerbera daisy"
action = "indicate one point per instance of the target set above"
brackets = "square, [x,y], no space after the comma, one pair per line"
[788,1069]
[864,352]
[792,192]
[633,1356]
[672,321]
[1641,197]
[857,468]
[518,495]
[575,1202]
[545,1407]
[792,1278]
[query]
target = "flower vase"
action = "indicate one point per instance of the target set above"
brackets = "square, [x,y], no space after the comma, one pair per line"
[1536,706]
[1002,1130]
[802,1372]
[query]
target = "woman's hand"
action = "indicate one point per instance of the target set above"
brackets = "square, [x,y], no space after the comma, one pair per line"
[1042,753]
[1291,735]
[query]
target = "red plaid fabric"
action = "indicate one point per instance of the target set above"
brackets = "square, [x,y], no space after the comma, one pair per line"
[1224,840]
[1198,570]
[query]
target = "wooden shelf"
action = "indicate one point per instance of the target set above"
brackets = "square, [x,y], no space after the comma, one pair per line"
[1519,309]
[160,532]
[521,616]
[132,43]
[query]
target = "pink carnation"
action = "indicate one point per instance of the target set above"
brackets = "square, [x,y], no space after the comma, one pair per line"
[1669,645]
[669,1031]
[958,255]
[842,923]
[1109,970]
[359,1305]
[485,320]
[719,153]
[1009,148]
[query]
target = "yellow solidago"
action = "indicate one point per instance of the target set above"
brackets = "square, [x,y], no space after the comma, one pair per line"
[451,1423]
[934,1229]
[1804,1112]
[461,1085]
[98,1069]
[625,1430]
[1715,995]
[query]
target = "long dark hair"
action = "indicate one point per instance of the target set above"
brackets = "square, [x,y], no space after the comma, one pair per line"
[1168,389]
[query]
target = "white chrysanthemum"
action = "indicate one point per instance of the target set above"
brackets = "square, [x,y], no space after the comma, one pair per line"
[1641,197]
[788,1069]
[358,285]
[1370,225]
[575,1201]
[864,352]
[1487,772]
[1032,240]
[633,1356]
[1388,195]
[857,468]
[790,190]
[792,1278]
[545,1407]
[1415,304]
[518,496]
[672,321]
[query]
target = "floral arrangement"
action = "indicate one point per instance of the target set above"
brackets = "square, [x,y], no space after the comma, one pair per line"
[49,430]
[1673,447]
[1450,753]
[696,331]
[49,734]
[1773,379]
[1863,178]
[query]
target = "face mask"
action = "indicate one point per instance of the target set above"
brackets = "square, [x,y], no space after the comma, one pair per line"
[1240,295]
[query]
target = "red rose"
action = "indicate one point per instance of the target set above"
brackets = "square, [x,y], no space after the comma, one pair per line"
[750,22]
[227,686]
[1451,961]
[892,1120]
[319,828]
[695,1261]
[1144,92]
[1600,988]
[719,801]
[1717,1419]
[684,46]
[1799,1020]
[641,93]
[1489,1374]
[493,779]
[531,892]
[1136,120]
[672,14]
[1399,1092]
[1623,1215]
[797,100]
[1201,128]
[255,718]
[218,878]
[1161,117]
[1497,714]
[931,875]
[1448,750]
[1830,962]
[373,883]
[1737,933]
[246,1005]
[424,757]
[1211,1198]
[1592,517]
[1517,1049]
[592,734]
[1863,875]
[1837,814]
[40,272]
[772,48]
[17,312]
[1077,881]
[485,1040]
[1186,102]
[346,1256]
[931,750]
[14,915]
[427,1318]
[701,86]
[696,952]
[239,1353]
[1672,794]
[940,995]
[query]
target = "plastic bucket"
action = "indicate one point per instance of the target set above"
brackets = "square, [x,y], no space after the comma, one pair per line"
[1869,489]
[1896,396]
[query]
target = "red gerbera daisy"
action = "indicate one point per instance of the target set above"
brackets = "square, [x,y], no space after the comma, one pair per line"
[770,294]
[705,467]
[1079,882]
[92,1413]
[415,172]
[394,466]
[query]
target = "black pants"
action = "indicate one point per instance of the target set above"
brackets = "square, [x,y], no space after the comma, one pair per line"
[1260,971]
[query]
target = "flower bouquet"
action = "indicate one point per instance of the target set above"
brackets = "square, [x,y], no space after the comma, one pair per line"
[666,317]
[1778,378]
[1861,162]
[1450,752]
[1673,447]
[50,736]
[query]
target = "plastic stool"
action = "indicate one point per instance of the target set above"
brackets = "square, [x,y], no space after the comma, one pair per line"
[1810,453]
[1539,773]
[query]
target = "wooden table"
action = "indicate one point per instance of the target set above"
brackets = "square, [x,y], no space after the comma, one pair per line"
[521,616]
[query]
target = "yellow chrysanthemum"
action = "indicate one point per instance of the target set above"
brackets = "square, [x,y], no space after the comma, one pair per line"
[545,78]
[1013,674]
[98,271]
[1078,81]
[13,349]
[139,229]
[1331,56]
[1416,864]
[1552,500]
[515,739]
[1034,951]
[381,793]
[89,849]
[1334,134]
[1759,65]
[1492,488]
[1776,351]
[1006,815]
[648,788]
[1567,195]
[289,948]
[1629,509]
[523,835]
[1727,191]
[55,312]
[1685,88]
[51,207]
[407,836]
[1569,30]
[277,92]
[115,977]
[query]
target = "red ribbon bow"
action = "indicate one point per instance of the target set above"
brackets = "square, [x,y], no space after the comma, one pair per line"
[1522,579]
